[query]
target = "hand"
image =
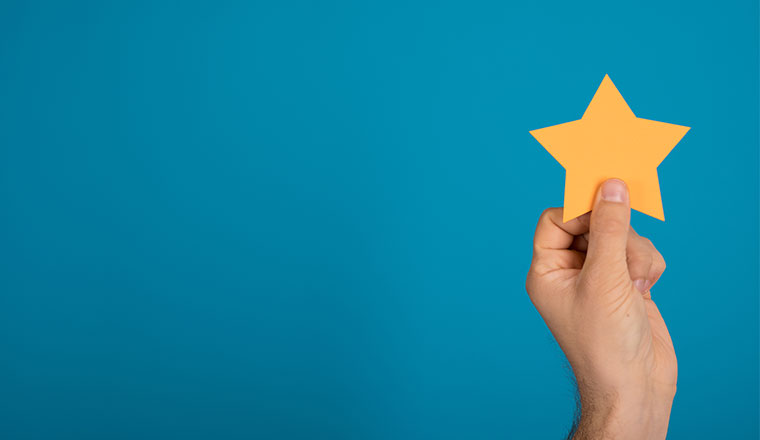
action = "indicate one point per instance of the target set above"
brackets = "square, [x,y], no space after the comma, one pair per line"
[590,280]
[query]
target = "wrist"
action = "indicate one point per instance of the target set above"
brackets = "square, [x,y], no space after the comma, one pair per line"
[640,411]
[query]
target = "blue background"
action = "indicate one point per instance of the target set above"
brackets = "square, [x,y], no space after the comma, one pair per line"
[314,219]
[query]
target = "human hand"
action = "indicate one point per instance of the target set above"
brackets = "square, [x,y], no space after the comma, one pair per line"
[590,280]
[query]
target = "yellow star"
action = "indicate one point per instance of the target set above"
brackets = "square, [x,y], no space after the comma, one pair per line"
[610,141]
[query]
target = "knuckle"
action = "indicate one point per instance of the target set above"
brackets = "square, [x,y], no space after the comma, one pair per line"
[660,261]
[546,215]
[657,259]
[531,285]
[529,282]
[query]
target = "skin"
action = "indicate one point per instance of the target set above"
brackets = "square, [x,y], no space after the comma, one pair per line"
[590,280]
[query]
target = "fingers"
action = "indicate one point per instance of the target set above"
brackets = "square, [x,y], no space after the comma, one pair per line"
[640,256]
[552,243]
[553,234]
[602,242]
[658,267]
[608,231]
[645,263]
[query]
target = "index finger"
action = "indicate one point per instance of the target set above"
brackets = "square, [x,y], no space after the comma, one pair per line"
[553,234]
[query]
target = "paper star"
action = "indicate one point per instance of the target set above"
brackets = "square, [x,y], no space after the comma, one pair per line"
[610,141]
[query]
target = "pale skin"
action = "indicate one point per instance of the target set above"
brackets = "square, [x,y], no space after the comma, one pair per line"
[591,281]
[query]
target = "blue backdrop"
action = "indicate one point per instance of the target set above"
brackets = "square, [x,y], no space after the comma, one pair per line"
[313,219]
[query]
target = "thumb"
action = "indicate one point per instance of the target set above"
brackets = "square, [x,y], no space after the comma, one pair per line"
[608,230]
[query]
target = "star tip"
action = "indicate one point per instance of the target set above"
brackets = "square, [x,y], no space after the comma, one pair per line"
[607,83]
[659,214]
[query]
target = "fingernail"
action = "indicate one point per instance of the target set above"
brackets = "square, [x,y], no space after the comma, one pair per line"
[614,190]
[641,285]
